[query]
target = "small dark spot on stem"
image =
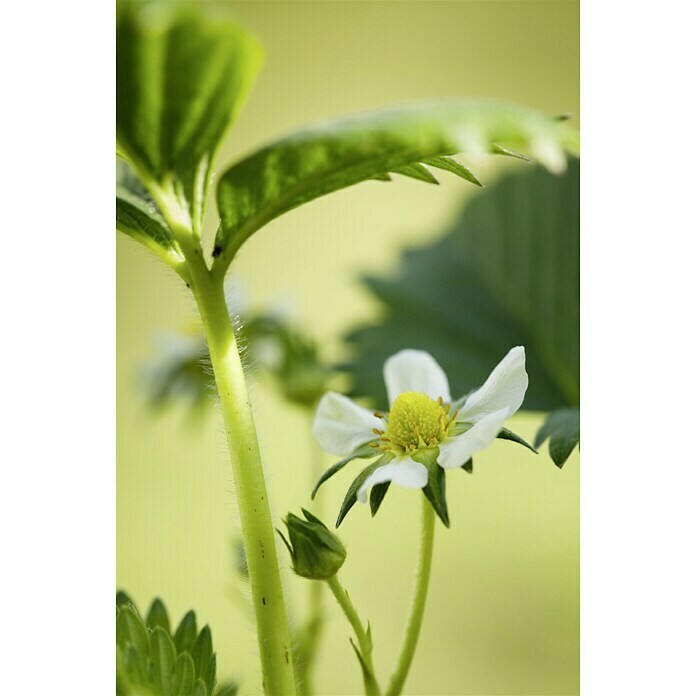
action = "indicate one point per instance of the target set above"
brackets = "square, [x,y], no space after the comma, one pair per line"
[263,599]
[217,250]
[287,661]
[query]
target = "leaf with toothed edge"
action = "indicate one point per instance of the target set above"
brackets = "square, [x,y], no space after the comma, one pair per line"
[451,165]
[563,428]
[352,494]
[377,496]
[362,452]
[326,157]
[417,171]
[506,434]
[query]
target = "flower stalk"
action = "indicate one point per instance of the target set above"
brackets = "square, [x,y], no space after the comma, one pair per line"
[420,593]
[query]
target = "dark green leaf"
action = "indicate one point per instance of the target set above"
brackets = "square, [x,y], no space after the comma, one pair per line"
[507,274]
[362,452]
[229,689]
[181,80]
[199,688]
[506,434]
[184,673]
[468,466]
[185,634]
[157,616]
[122,598]
[434,490]
[377,496]
[130,630]
[210,674]
[163,658]
[352,494]
[330,156]
[202,651]
[135,667]
[563,429]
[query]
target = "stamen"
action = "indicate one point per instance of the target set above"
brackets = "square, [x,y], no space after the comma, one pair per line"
[377,431]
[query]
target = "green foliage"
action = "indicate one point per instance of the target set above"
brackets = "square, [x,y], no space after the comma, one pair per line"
[330,156]
[181,80]
[506,274]
[362,452]
[562,429]
[352,494]
[434,490]
[152,662]
[316,552]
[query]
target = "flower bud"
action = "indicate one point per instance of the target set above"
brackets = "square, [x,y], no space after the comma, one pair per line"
[316,552]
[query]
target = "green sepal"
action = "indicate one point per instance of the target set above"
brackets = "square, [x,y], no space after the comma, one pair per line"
[163,659]
[210,674]
[368,677]
[202,651]
[184,674]
[185,634]
[563,428]
[135,665]
[506,434]
[229,689]
[451,165]
[123,598]
[434,490]
[468,465]
[157,616]
[130,630]
[377,496]
[497,149]
[361,452]
[352,494]
[417,171]
[199,688]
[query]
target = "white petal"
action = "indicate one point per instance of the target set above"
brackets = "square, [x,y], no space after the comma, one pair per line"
[404,472]
[340,425]
[504,388]
[455,451]
[415,370]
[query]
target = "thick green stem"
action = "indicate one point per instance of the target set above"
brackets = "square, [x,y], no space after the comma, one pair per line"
[364,640]
[420,592]
[252,498]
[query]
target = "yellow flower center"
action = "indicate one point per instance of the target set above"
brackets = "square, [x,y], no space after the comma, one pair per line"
[416,421]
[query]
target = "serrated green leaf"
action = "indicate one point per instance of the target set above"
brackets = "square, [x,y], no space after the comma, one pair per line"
[512,260]
[163,658]
[157,616]
[361,452]
[563,428]
[202,651]
[185,635]
[506,434]
[377,495]
[181,80]
[418,172]
[451,165]
[352,494]
[435,489]
[130,630]
[184,673]
[330,156]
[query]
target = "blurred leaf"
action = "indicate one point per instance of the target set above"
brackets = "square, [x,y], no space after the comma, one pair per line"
[202,651]
[185,635]
[184,673]
[163,657]
[199,688]
[330,156]
[181,81]
[130,630]
[157,616]
[210,674]
[369,679]
[506,274]
[230,689]
[122,598]
[563,429]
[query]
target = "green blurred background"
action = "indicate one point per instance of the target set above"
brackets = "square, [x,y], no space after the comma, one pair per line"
[503,609]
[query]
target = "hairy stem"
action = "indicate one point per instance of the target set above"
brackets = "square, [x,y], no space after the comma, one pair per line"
[420,592]
[364,640]
[252,499]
